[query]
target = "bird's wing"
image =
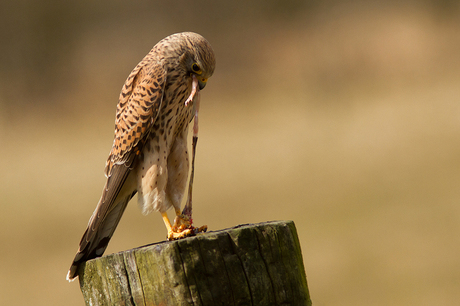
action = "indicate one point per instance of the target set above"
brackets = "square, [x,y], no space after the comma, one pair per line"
[140,102]
[137,110]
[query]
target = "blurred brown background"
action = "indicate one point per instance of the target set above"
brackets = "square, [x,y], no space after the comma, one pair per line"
[341,116]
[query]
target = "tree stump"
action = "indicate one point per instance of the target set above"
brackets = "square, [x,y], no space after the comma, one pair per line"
[254,264]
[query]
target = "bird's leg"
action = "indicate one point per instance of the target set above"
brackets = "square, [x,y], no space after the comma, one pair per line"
[175,232]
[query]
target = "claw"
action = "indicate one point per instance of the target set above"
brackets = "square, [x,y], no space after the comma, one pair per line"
[172,235]
[182,227]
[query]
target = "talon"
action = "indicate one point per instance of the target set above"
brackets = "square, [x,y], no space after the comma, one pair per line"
[172,235]
[182,226]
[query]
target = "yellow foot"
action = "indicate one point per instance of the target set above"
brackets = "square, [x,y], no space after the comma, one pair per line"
[182,227]
[172,235]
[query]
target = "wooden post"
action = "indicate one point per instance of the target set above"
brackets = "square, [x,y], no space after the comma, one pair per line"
[254,264]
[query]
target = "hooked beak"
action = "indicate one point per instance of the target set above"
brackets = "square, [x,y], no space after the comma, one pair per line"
[202,82]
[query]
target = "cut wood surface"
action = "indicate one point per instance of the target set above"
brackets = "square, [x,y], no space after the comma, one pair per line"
[253,264]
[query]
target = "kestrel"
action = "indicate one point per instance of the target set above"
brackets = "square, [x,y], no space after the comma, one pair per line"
[149,153]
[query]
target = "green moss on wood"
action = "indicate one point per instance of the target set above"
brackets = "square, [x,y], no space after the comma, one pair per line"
[255,264]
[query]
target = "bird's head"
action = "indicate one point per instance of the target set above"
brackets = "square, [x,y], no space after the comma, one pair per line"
[198,58]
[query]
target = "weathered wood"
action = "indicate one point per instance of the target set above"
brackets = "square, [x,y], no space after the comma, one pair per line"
[254,264]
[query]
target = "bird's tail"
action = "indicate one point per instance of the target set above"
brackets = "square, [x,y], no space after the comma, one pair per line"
[97,236]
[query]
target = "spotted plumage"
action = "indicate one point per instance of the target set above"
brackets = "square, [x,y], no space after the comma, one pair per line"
[149,153]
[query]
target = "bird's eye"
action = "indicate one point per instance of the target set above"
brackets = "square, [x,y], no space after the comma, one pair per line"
[196,68]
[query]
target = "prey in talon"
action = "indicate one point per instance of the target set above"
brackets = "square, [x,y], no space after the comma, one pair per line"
[149,155]
[183,223]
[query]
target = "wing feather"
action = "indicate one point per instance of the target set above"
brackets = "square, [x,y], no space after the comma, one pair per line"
[139,104]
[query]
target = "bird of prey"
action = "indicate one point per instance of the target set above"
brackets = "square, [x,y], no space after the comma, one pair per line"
[149,155]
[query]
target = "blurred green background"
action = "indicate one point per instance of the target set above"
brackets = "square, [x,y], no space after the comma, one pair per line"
[341,116]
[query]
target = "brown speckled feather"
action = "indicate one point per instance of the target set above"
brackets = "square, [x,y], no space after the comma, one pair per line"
[140,101]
